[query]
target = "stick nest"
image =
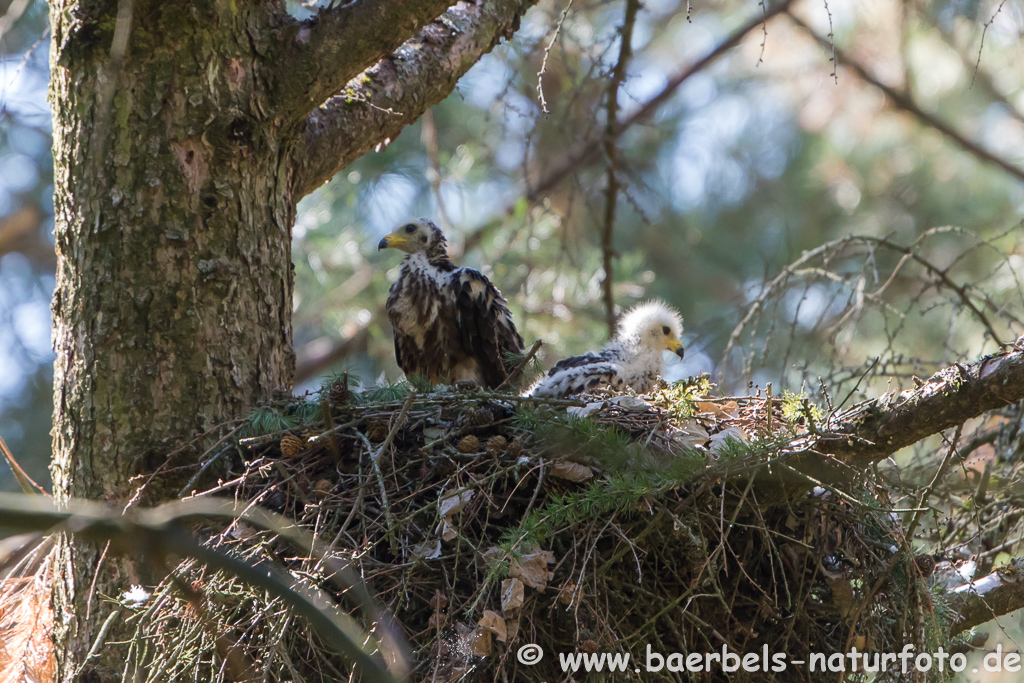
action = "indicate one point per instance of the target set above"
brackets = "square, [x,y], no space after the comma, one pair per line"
[486,521]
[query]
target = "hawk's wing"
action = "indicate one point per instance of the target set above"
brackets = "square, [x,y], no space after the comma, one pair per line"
[589,358]
[575,379]
[484,325]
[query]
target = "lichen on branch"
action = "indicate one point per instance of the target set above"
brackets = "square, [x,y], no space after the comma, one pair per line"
[377,104]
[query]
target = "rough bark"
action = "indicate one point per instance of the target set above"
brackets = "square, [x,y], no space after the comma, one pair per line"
[318,56]
[176,135]
[874,430]
[991,596]
[394,93]
[172,310]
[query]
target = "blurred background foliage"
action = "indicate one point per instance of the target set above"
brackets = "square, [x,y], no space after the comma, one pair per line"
[750,162]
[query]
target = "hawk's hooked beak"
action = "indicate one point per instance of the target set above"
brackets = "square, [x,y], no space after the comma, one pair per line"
[675,346]
[392,240]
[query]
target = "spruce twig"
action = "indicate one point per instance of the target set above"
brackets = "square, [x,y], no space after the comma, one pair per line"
[375,460]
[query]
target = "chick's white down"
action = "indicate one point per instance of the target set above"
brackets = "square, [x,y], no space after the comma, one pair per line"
[632,359]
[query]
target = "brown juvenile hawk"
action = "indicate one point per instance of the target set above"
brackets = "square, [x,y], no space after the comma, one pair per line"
[450,323]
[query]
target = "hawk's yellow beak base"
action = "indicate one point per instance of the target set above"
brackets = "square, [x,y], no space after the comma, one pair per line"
[675,346]
[391,240]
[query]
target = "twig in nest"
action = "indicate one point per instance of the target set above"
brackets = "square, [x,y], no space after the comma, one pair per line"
[908,535]
[518,370]
[375,460]
[332,441]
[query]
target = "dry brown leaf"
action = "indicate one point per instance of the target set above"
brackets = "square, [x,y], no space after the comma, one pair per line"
[512,593]
[566,592]
[454,502]
[719,410]
[428,550]
[690,434]
[450,506]
[533,569]
[482,645]
[445,530]
[720,440]
[573,471]
[512,626]
[323,488]
[842,594]
[493,622]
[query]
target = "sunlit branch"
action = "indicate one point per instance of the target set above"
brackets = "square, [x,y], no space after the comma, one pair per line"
[320,55]
[384,99]
[991,596]
[874,430]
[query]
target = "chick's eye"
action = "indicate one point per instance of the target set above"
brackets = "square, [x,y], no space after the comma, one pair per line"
[665,329]
[410,228]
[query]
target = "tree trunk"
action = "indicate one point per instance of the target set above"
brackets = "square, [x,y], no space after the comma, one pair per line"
[172,310]
[184,134]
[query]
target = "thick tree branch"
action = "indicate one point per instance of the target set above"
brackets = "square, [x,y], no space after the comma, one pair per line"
[906,102]
[390,95]
[999,593]
[320,55]
[876,429]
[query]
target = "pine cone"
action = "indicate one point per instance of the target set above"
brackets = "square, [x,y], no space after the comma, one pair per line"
[323,489]
[496,444]
[339,392]
[439,601]
[376,431]
[925,564]
[291,445]
[515,447]
[478,417]
[468,444]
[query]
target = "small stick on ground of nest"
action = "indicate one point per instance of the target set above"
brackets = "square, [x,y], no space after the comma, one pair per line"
[375,460]
[518,370]
[325,409]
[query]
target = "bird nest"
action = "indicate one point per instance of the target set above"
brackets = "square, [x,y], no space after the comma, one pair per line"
[486,523]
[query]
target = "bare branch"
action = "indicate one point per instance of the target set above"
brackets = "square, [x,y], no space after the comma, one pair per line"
[320,55]
[991,596]
[905,101]
[875,430]
[590,148]
[610,151]
[396,91]
[984,32]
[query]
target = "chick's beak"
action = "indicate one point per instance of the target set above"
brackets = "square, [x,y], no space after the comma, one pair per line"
[675,346]
[391,240]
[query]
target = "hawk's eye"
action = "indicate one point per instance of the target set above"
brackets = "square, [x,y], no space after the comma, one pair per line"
[411,228]
[665,329]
